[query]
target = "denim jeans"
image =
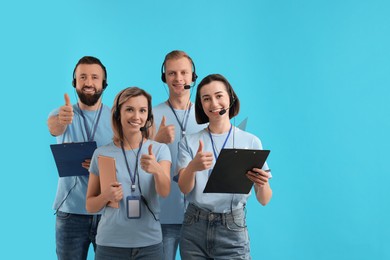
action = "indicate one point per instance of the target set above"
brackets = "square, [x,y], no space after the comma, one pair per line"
[74,234]
[154,252]
[207,235]
[171,238]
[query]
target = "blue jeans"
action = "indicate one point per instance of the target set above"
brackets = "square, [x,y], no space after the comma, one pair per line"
[153,252]
[74,234]
[207,235]
[171,238]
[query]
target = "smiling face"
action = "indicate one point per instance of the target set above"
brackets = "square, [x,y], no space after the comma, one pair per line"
[134,114]
[89,83]
[214,97]
[178,73]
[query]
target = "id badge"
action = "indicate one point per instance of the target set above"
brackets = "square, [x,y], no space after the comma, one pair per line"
[133,204]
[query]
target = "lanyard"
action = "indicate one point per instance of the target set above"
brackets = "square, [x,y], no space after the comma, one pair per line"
[183,125]
[132,176]
[212,141]
[91,134]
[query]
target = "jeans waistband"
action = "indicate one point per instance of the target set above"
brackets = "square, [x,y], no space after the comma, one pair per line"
[211,216]
[79,215]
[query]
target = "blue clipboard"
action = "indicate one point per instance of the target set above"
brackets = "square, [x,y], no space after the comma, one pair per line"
[229,172]
[69,156]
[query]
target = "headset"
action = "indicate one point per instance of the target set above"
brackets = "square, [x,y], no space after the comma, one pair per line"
[164,79]
[104,83]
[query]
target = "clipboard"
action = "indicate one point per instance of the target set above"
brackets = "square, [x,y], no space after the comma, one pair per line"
[69,156]
[229,173]
[107,175]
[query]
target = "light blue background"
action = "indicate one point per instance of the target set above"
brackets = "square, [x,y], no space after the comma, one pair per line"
[313,78]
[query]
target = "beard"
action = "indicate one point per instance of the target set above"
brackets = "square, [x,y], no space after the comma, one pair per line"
[88,99]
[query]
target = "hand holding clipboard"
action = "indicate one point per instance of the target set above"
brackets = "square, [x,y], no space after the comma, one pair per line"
[259,176]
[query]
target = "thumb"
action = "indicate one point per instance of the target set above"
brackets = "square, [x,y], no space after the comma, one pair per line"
[150,149]
[162,121]
[67,100]
[200,149]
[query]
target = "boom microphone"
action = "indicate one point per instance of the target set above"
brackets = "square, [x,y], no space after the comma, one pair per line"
[223,110]
[145,128]
[187,86]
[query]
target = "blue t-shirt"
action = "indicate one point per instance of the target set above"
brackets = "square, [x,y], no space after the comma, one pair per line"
[76,187]
[188,147]
[173,206]
[115,229]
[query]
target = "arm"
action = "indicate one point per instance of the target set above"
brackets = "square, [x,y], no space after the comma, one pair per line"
[58,123]
[97,200]
[202,161]
[163,180]
[186,179]
[160,171]
[262,188]
[263,193]
[55,127]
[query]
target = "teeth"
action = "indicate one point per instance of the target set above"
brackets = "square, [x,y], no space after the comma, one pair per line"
[88,89]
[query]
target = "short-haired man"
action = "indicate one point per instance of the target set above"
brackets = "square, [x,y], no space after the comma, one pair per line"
[174,119]
[88,120]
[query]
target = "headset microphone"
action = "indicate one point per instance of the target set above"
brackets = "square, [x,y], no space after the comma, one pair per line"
[145,128]
[223,110]
[187,86]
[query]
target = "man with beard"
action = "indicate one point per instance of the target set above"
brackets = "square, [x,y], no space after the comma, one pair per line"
[88,120]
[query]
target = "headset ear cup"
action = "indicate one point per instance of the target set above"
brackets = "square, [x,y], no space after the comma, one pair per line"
[194,76]
[117,112]
[74,83]
[163,77]
[117,115]
[232,100]
[104,84]
[150,114]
